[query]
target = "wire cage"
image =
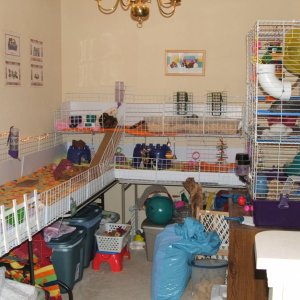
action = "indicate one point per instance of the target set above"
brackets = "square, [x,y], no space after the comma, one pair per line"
[273,109]
[188,114]
[216,103]
[183,103]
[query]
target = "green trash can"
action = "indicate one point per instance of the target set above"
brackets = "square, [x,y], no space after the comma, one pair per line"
[90,218]
[68,256]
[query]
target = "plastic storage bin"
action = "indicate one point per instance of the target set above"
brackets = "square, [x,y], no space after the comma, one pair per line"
[151,231]
[90,218]
[68,256]
[205,274]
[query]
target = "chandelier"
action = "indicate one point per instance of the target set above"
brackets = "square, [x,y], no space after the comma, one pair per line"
[139,9]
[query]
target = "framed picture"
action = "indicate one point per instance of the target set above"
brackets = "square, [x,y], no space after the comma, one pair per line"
[12,44]
[37,76]
[36,50]
[185,62]
[12,73]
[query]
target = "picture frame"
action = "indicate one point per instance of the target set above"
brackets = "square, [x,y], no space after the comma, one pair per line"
[37,75]
[12,45]
[36,50]
[12,73]
[185,62]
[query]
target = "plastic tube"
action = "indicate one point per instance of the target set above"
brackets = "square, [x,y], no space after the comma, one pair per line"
[276,88]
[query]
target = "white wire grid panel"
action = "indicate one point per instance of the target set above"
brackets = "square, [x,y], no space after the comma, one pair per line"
[46,207]
[30,144]
[84,116]
[153,115]
[215,221]
[133,220]
[20,222]
[187,157]
[273,69]
[160,119]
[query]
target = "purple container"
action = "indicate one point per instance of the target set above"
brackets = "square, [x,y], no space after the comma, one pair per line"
[272,213]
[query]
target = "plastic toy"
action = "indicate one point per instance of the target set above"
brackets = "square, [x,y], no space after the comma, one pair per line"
[241,200]
[159,209]
[261,186]
[248,208]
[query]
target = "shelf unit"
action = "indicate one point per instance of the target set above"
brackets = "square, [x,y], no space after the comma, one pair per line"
[273,110]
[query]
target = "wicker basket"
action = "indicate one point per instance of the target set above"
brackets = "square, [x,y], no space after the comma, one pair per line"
[112,243]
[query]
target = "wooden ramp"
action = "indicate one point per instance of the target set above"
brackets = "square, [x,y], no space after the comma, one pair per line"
[107,147]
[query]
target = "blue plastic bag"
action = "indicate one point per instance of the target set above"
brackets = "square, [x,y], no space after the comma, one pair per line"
[174,249]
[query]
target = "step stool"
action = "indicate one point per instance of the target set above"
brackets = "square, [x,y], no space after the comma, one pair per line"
[115,260]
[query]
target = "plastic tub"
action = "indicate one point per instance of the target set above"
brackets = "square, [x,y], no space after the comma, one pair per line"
[205,274]
[90,218]
[68,256]
[151,231]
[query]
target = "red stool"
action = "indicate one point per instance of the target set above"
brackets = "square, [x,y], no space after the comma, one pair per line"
[115,260]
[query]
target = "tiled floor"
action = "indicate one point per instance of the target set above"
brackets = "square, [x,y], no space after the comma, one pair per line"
[132,283]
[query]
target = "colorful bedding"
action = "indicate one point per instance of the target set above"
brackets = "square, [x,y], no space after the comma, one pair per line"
[40,180]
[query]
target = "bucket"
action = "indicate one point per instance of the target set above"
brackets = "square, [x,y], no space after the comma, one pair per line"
[205,274]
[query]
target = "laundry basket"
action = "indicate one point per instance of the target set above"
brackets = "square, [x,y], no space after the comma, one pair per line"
[112,237]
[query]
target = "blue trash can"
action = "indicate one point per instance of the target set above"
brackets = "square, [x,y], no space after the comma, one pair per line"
[68,256]
[90,218]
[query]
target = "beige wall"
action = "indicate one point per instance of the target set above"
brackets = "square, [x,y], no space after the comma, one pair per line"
[26,107]
[99,50]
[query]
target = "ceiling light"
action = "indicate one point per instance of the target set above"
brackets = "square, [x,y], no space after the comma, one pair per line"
[139,9]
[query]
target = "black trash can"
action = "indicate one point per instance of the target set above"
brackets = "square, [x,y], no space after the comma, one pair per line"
[68,256]
[90,218]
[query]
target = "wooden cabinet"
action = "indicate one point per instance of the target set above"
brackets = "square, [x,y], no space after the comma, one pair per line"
[244,281]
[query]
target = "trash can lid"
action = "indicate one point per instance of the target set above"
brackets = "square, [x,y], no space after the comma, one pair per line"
[68,239]
[88,213]
[209,263]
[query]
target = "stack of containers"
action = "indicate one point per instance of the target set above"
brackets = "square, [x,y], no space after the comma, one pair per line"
[89,217]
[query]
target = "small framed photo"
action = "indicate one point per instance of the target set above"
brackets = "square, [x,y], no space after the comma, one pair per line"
[37,76]
[12,73]
[36,50]
[185,62]
[12,45]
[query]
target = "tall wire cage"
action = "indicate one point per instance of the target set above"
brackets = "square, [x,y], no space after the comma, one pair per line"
[273,109]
